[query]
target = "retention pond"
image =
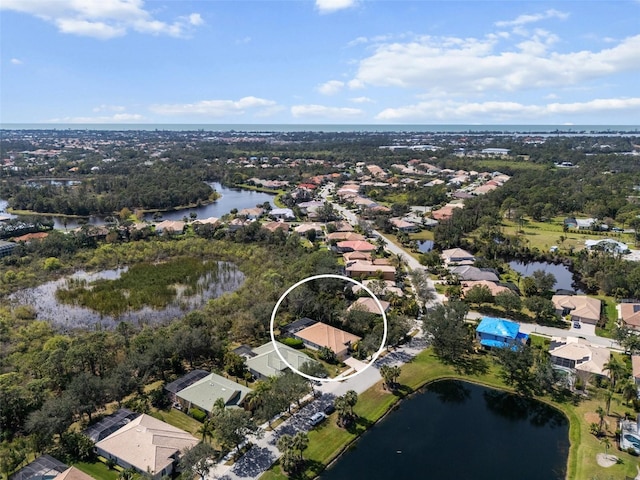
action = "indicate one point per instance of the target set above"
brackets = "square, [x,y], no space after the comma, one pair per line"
[455,430]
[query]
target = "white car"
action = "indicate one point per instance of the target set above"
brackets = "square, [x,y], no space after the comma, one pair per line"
[317,417]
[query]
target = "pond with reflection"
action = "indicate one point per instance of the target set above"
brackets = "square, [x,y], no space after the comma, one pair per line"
[455,430]
[179,298]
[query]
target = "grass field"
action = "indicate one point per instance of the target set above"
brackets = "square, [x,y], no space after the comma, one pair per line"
[97,470]
[178,419]
[328,441]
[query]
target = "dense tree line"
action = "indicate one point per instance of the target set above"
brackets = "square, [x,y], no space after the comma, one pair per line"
[158,188]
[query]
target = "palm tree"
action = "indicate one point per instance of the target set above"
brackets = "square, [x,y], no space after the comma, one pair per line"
[629,390]
[342,409]
[257,396]
[299,443]
[601,414]
[616,370]
[390,375]
[206,430]
[607,395]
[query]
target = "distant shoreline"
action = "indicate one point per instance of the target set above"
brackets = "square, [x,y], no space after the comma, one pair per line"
[527,129]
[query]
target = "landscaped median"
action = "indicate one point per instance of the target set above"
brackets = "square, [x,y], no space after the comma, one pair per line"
[328,441]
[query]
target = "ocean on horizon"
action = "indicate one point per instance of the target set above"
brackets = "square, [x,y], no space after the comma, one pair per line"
[334,128]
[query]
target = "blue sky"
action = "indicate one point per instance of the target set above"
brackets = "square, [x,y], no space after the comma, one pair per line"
[322,61]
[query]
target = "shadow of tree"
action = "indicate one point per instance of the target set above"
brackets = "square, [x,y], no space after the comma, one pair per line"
[472,365]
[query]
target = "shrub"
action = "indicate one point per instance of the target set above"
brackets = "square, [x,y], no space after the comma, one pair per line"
[198,414]
[632,451]
[293,343]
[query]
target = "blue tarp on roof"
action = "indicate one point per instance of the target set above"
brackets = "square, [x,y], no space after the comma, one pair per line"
[522,337]
[493,343]
[498,327]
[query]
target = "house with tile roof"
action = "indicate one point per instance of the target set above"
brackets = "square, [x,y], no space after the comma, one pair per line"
[579,308]
[147,445]
[629,315]
[579,355]
[369,305]
[321,335]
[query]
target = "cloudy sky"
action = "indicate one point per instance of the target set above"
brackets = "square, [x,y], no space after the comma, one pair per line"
[322,61]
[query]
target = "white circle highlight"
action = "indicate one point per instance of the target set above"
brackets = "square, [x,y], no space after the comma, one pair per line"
[339,277]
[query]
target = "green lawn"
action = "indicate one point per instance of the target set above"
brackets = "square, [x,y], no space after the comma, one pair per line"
[178,419]
[97,470]
[328,441]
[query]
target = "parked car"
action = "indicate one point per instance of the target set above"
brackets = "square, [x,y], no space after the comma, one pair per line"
[317,418]
[576,324]
[329,409]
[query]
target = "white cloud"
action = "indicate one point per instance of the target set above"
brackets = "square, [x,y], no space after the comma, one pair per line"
[215,108]
[532,18]
[109,108]
[321,111]
[361,100]
[16,61]
[330,6]
[115,118]
[102,19]
[447,64]
[331,87]
[489,112]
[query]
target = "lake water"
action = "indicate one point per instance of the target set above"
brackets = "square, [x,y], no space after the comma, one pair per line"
[425,246]
[225,278]
[564,277]
[231,198]
[455,430]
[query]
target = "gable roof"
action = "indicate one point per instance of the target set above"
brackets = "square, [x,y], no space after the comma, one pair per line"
[207,390]
[498,327]
[147,443]
[327,336]
[72,473]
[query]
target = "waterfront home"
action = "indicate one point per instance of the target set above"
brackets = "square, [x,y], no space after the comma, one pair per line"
[499,333]
[579,308]
[205,392]
[251,213]
[629,315]
[321,335]
[607,245]
[579,355]
[469,273]
[493,287]
[282,214]
[457,256]
[403,226]
[170,226]
[147,445]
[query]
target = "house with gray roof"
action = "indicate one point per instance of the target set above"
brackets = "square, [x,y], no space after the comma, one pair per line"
[467,272]
[205,392]
[266,362]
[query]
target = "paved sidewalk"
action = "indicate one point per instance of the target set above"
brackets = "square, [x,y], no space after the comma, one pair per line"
[264,452]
